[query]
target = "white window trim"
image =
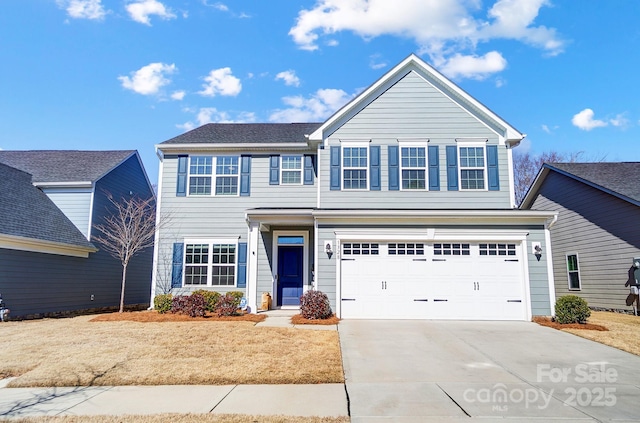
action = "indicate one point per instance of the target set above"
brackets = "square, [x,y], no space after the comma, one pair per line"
[361,144]
[485,168]
[566,264]
[213,176]
[211,242]
[418,143]
[190,175]
[282,170]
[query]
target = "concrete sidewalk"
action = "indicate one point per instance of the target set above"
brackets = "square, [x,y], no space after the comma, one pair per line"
[324,400]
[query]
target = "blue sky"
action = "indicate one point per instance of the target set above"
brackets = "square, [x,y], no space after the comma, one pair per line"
[129,74]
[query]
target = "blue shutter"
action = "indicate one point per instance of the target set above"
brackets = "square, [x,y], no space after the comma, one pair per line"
[245,176]
[394,168]
[274,170]
[176,270]
[452,168]
[242,265]
[309,170]
[492,168]
[335,168]
[374,167]
[181,185]
[434,168]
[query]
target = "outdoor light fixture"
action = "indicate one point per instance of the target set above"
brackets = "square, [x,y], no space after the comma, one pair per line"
[328,249]
[537,249]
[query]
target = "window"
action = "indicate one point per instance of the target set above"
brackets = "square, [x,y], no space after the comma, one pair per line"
[497,249]
[413,167]
[354,167]
[406,249]
[573,272]
[291,170]
[472,168]
[451,249]
[227,175]
[360,249]
[210,264]
[201,175]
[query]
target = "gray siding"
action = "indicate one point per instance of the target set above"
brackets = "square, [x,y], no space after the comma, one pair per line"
[75,203]
[326,275]
[413,108]
[538,277]
[601,229]
[210,217]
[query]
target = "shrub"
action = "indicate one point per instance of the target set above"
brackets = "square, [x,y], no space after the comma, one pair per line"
[162,303]
[210,297]
[237,296]
[227,305]
[315,305]
[572,309]
[191,305]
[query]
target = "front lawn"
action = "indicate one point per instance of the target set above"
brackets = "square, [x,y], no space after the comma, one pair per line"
[79,352]
[623,333]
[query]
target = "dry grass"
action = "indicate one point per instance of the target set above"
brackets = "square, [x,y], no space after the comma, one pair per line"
[78,352]
[623,333]
[154,316]
[299,320]
[181,418]
[546,321]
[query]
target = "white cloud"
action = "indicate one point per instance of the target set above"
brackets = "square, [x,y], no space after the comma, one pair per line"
[459,66]
[440,28]
[178,95]
[212,115]
[141,10]
[148,79]
[83,9]
[221,81]
[620,121]
[318,107]
[585,121]
[289,77]
[375,62]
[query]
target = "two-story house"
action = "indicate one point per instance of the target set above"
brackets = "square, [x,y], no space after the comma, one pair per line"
[49,204]
[400,205]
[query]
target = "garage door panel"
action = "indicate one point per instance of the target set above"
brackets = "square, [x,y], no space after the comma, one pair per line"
[445,281]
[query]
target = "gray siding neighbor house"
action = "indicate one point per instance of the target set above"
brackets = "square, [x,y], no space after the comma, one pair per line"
[597,234]
[400,205]
[50,201]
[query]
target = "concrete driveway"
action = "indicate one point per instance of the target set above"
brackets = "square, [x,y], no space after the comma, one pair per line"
[421,371]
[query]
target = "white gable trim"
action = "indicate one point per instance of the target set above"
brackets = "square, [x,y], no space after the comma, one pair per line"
[512,135]
[19,243]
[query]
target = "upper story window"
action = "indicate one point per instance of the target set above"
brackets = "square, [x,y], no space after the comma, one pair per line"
[413,167]
[202,177]
[355,164]
[472,168]
[291,170]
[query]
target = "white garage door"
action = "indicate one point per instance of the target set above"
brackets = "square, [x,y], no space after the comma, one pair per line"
[441,280]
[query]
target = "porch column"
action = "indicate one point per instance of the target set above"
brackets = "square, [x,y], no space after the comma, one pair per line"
[252,267]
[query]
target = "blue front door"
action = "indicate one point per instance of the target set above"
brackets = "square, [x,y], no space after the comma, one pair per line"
[290,274]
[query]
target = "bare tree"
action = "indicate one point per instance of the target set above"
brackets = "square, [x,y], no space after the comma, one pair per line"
[129,230]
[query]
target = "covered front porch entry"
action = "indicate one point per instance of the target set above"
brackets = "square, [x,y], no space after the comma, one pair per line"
[282,257]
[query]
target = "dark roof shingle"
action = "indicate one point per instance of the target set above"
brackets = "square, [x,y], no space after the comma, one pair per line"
[64,165]
[622,178]
[27,212]
[231,133]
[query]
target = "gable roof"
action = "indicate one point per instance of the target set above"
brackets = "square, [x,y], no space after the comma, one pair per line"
[245,133]
[414,63]
[620,179]
[28,215]
[48,166]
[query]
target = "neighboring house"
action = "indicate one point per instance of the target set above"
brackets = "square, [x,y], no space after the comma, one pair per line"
[400,205]
[48,265]
[597,234]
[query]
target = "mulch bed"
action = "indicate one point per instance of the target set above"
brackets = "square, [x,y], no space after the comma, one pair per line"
[545,321]
[299,320]
[155,317]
